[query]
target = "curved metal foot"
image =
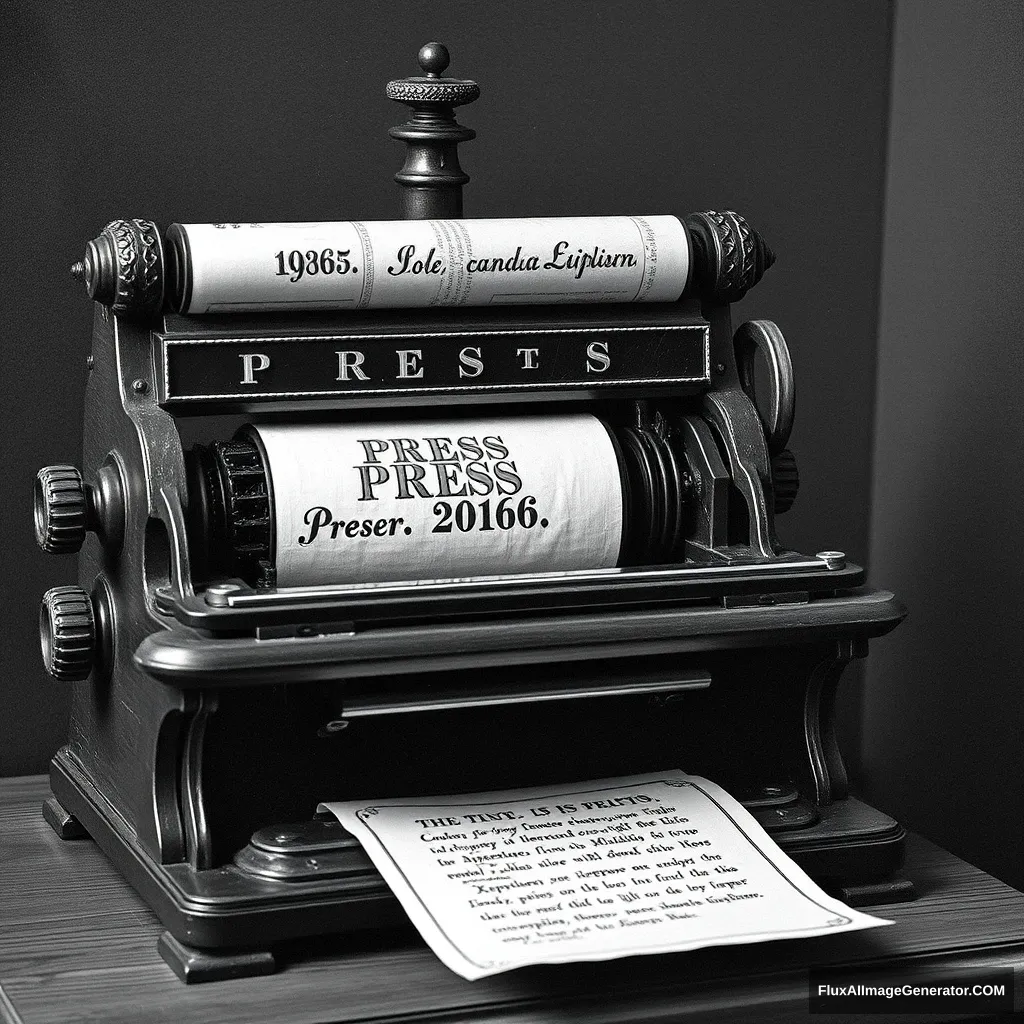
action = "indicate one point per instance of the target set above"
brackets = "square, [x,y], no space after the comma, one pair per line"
[195,966]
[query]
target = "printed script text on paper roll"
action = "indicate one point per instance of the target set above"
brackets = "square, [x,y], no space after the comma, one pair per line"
[388,264]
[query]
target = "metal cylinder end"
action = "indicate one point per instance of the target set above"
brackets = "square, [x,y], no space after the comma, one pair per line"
[217,595]
[833,559]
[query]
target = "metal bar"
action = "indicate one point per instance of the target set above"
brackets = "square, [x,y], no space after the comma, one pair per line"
[363,706]
[299,595]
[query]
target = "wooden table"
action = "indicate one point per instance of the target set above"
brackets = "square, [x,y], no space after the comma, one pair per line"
[76,944]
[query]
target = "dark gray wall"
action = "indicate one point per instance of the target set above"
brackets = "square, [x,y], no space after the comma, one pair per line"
[944,710]
[261,112]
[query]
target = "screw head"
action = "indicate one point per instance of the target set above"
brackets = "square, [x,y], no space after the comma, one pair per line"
[139,386]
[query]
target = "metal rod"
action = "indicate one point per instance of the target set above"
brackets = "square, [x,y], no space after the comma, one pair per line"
[364,706]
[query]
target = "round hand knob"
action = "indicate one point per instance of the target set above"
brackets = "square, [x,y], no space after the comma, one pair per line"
[67,633]
[61,510]
[785,480]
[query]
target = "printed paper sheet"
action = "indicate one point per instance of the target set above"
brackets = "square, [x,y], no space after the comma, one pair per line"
[616,867]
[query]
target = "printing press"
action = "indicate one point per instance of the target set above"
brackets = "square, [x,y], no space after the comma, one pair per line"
[219,695]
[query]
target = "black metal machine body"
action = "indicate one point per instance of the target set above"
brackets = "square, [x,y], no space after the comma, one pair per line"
[212,711]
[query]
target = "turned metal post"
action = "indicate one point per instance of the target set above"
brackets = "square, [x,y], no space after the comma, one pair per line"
[431,177]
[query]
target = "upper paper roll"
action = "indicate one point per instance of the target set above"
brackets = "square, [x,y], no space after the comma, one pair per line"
[223,268]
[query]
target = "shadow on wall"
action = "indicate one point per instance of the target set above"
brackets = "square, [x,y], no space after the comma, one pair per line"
[944,713]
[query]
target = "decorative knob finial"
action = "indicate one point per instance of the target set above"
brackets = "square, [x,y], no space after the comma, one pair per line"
[434,59]
[431,178]
[123,268]
[730,256]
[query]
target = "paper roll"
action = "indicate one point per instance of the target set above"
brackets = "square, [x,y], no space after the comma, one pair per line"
[439,499]
[356,265]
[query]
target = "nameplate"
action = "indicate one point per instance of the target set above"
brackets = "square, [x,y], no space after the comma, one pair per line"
[416,363]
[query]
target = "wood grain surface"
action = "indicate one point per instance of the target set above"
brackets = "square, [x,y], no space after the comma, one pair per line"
[76,944]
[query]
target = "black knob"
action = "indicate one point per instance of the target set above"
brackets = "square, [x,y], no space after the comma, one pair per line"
[785,480]
[61,510]
[67,633]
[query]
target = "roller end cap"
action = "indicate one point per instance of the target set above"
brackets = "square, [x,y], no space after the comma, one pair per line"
[731,256]
[123,268]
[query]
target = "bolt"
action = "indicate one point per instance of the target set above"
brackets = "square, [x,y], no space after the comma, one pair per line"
[719,368]
[218,594]
[139,386]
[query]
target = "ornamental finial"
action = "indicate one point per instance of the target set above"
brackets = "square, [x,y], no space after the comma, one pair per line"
[431,178]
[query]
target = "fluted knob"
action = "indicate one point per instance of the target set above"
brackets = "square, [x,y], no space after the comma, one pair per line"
[785,480]
[61,510]
[67,633]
